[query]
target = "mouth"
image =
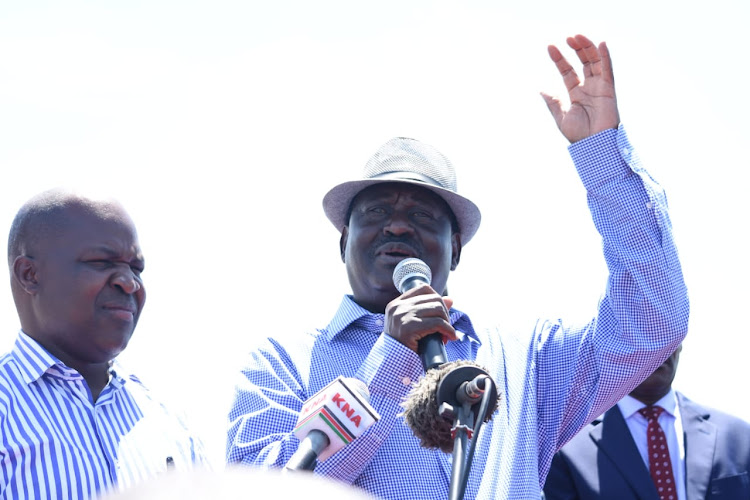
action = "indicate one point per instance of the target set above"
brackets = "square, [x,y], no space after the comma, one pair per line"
[123,311]
[397,251]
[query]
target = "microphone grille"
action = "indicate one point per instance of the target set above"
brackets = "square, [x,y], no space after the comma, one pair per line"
[411,268]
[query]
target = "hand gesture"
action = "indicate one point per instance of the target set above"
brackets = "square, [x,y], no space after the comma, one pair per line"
[418,313]
[593,104]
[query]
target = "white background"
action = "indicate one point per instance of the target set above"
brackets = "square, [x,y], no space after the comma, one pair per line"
[220,125]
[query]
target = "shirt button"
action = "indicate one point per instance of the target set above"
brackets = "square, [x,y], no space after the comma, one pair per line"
[625,153]
[406,381]
[649,205]
[379,322]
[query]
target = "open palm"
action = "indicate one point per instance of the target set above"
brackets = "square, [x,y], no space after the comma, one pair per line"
[593,104]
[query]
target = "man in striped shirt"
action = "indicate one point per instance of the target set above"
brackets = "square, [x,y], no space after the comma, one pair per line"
[73,423]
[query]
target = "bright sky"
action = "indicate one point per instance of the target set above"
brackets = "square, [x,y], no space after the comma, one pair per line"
[220,125]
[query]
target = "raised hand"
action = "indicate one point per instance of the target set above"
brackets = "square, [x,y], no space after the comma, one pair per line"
[593,104]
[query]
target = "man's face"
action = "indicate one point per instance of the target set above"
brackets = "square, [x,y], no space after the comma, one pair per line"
[657,385]
[388,223]
[88,294]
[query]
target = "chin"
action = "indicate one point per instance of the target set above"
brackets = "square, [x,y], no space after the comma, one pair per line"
[115,346]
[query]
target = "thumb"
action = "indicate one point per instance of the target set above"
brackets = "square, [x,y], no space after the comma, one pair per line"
[554,106]
[448,302]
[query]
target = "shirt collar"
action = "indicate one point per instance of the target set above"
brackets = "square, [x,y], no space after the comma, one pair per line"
[629,405]
[34,361]
[349,312]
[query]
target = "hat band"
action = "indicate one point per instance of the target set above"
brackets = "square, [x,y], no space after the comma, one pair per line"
[408,176]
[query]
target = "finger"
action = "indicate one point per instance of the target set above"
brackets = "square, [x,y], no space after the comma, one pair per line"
[422,289]
[444,327]
[592,54]
[570,78]
[580,43]
[437,325]
[448,303]
[555,107]
[430,307]
[587,53]
[449,338]
[607,71]
[417,309]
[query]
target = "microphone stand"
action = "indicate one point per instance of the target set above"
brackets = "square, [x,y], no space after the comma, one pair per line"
[465,410]
[484,409]
[462,431]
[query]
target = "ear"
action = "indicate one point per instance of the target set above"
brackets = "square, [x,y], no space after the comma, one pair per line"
[25,274]
[455,250]
[342,243]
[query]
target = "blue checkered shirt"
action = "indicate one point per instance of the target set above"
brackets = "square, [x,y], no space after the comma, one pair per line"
[554,379]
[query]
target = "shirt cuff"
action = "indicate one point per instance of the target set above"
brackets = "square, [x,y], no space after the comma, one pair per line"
[390,368]
[604,156]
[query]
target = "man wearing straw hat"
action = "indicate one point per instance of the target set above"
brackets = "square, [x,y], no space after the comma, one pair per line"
[553,380]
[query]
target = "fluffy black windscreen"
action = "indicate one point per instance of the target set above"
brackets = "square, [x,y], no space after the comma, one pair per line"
[421,409]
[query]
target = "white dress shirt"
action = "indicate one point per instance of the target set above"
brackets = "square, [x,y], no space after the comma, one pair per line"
[671,424]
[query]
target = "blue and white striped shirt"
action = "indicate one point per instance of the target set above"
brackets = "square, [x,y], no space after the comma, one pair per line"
[553,379]
[55,443]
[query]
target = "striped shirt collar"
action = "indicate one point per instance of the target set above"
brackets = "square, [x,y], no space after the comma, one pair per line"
[349,312]
[34,361]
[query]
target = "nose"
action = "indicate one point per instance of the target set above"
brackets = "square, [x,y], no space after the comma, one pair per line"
[127,281]
[398,224]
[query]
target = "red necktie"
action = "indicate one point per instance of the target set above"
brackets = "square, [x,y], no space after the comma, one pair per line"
[659,463]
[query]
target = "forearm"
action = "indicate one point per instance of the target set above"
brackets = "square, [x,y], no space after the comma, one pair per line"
[646,291]
[388,371]
[643,315]
[268,403]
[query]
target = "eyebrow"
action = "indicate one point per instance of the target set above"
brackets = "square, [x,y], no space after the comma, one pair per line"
[415,196]
[110,252]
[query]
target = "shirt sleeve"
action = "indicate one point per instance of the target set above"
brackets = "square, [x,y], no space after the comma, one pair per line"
[270,396]
[643,316]
[388,371]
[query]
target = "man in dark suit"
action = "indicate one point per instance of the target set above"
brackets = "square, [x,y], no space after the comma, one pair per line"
[705,455]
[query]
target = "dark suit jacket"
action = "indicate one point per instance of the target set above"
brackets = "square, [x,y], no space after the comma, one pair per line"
[602,461]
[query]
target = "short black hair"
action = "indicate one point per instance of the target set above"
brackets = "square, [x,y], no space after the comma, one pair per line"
[40,218]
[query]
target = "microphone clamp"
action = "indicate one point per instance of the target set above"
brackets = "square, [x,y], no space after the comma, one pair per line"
[465,385]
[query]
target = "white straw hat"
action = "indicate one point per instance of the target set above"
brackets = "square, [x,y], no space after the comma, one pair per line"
[410,161]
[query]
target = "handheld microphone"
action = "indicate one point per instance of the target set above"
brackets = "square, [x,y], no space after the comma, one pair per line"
[334,417]
[411,273]
[445,386]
